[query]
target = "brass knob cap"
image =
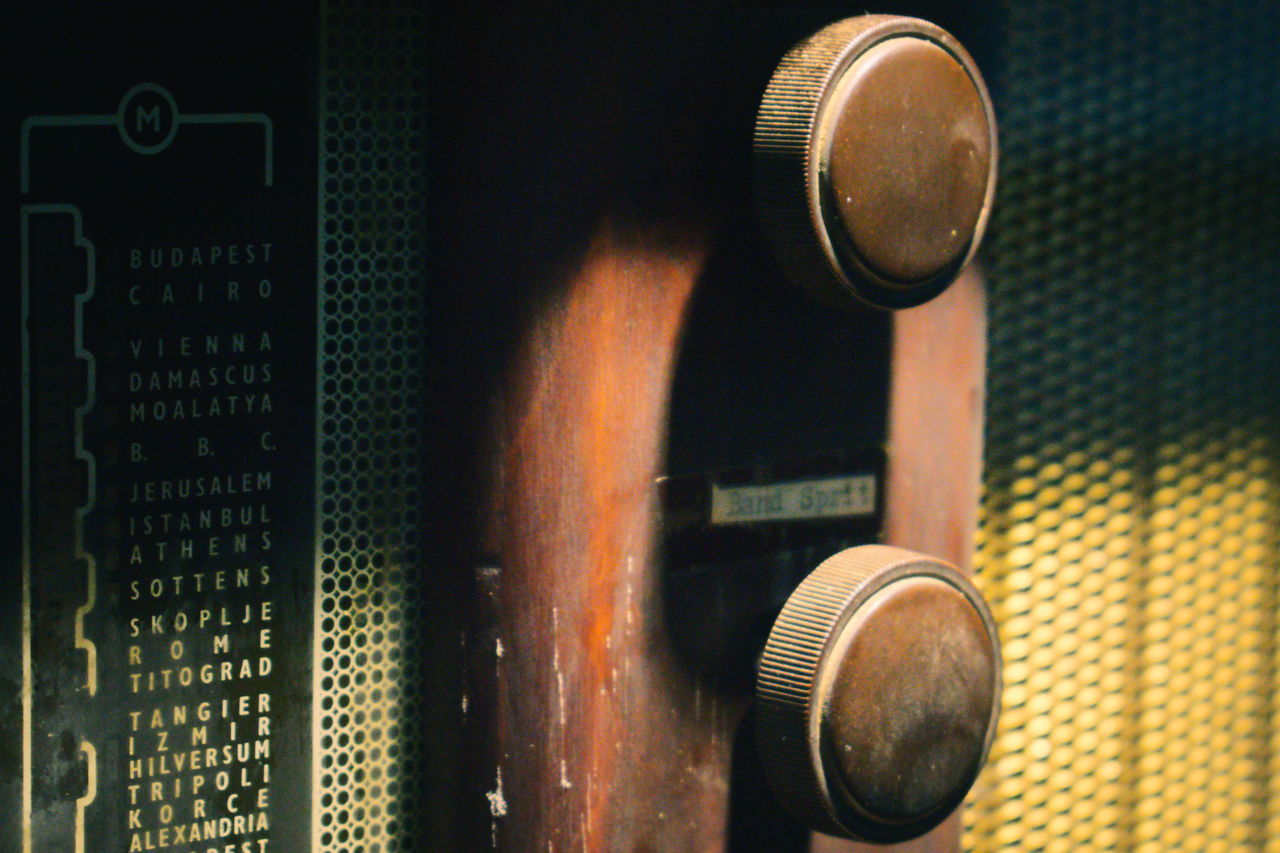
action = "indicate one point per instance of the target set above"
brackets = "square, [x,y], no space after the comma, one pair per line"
[875,150]
[878,694]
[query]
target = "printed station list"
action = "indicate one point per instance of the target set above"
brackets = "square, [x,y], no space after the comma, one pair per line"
[198,505]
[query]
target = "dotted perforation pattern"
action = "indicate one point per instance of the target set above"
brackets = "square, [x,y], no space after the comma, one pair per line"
[370,372]
[1130,529]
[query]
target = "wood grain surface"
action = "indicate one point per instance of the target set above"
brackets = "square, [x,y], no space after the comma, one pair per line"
[584,195]
[603,740]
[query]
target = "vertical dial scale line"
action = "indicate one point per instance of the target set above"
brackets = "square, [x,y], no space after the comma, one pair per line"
[91,468]
[90,564]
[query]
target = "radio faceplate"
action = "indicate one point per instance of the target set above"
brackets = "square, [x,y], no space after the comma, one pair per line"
[221,292]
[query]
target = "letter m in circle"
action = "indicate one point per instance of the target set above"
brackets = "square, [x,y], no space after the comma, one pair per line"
[147,116]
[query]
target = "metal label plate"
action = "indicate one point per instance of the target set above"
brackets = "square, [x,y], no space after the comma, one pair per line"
[800,500]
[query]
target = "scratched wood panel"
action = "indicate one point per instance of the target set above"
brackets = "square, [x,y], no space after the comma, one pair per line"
[605,741]
[584,193]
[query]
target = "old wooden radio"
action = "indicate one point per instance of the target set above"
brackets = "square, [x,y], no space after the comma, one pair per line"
[460,426]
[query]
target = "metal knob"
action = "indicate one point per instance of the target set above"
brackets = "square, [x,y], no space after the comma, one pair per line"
[875,150]
[878,694]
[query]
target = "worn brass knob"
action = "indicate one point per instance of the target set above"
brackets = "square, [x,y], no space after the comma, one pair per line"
[875,150]
[878,694]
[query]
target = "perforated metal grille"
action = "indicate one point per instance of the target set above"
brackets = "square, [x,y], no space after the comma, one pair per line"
[1130,539]
[369,378]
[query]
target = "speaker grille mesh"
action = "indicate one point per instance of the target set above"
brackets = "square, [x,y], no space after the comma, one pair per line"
[369,489]
[1130,535]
